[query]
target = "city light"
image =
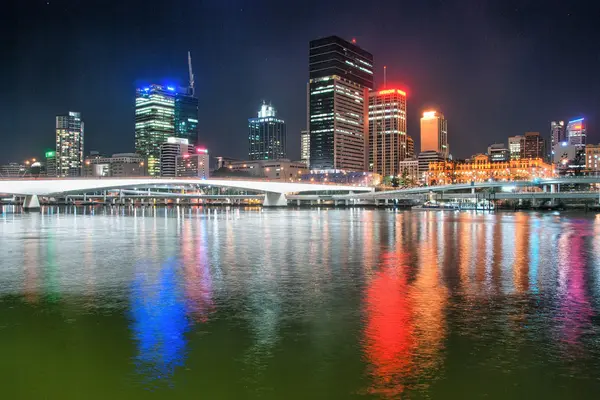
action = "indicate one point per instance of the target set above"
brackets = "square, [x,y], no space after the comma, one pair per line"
[429,114]
[391,91]
[201,150]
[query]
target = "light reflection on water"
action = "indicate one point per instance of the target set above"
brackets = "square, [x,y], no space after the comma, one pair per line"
[294,303]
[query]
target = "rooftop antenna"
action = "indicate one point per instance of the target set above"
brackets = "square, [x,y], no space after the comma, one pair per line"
[191,73]
[385,76]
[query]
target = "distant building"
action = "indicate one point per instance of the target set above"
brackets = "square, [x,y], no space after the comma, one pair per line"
[305,147]
[557,134]
[162,112]
[266,135]
[387,143]
[592,157]
[51,164]
[516,146]
[194,165]
[278,170]
[576,132]
[535,146]
[353,178]
[427,157]
[119,165]
[340,76]
[69,144]
[498,152]
[169,151]
[13,170]
[409,169]
[410,147]
[481,169]
[434,133]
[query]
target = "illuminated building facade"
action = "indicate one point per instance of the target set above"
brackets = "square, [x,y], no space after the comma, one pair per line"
[340,76]
[409,170]
[69,144]
[169,151]
[51,164]
[193,165]
[266,135]
[410,147]
[276,170]
[481,169]
[592,157]
[305,147]
[427,157]
[576,132]
[534,146]
[557,134]
[498,152]
[516,146]
[387,143]
[118,165]
[434,133]
[13,170]
[162,112]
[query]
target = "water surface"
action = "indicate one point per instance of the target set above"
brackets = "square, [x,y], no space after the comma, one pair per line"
[191,303]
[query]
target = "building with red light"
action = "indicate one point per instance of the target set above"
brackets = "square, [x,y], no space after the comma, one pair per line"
[434,133]
[193,165]
[169,151]
[387,139]
[576,132]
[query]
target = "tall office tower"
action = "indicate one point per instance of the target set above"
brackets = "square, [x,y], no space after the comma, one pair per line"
[69,144]
[305,147]
[516,146]
[410,147]
[576,132]
[340,76]
[534,146]
[162,112]
[266,135]
[169,151]
[387,143]
[434,133]
[557,133]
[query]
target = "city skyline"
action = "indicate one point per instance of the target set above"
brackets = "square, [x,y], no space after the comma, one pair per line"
[277,70]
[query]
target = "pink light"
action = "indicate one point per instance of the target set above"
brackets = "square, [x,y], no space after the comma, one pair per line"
[201,150]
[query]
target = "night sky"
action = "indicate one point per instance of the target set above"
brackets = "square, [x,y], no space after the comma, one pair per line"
[494,68]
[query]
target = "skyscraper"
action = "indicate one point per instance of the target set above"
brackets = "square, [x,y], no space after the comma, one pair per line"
[340,75]
[305,147]
[535,146]
[266,135]
[434,133]
[516,146]
[162,112]
[576,132]
[69,144]
[557,133]
[387,143]
[410,147]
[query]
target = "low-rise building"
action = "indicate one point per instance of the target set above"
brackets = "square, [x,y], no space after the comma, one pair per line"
[481,169]
[13,170]
[409,171]
[119,165]
[278,170]
[592,157]
[193,165]
[341,177]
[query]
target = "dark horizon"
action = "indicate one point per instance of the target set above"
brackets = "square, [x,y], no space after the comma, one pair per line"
[495,69]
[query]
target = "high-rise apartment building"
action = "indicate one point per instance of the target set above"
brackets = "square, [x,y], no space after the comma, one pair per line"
[162,112]
[434,133]
[266,135]
[169,151]
[576,132]
[534,146]
[305,147]
[69,144]
[516,147]
[340,76]
[387,142]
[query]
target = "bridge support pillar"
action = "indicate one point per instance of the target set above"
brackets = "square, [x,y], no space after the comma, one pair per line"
[275,200]
[31,203]
[298,202]
[553,188]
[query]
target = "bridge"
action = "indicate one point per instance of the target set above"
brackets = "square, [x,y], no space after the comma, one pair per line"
[273,193]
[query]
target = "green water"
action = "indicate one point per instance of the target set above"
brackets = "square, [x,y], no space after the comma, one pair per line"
[298,304]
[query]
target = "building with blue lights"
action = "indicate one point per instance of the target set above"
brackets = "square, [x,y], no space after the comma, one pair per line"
[162,112]
[576,132]
[266,135]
